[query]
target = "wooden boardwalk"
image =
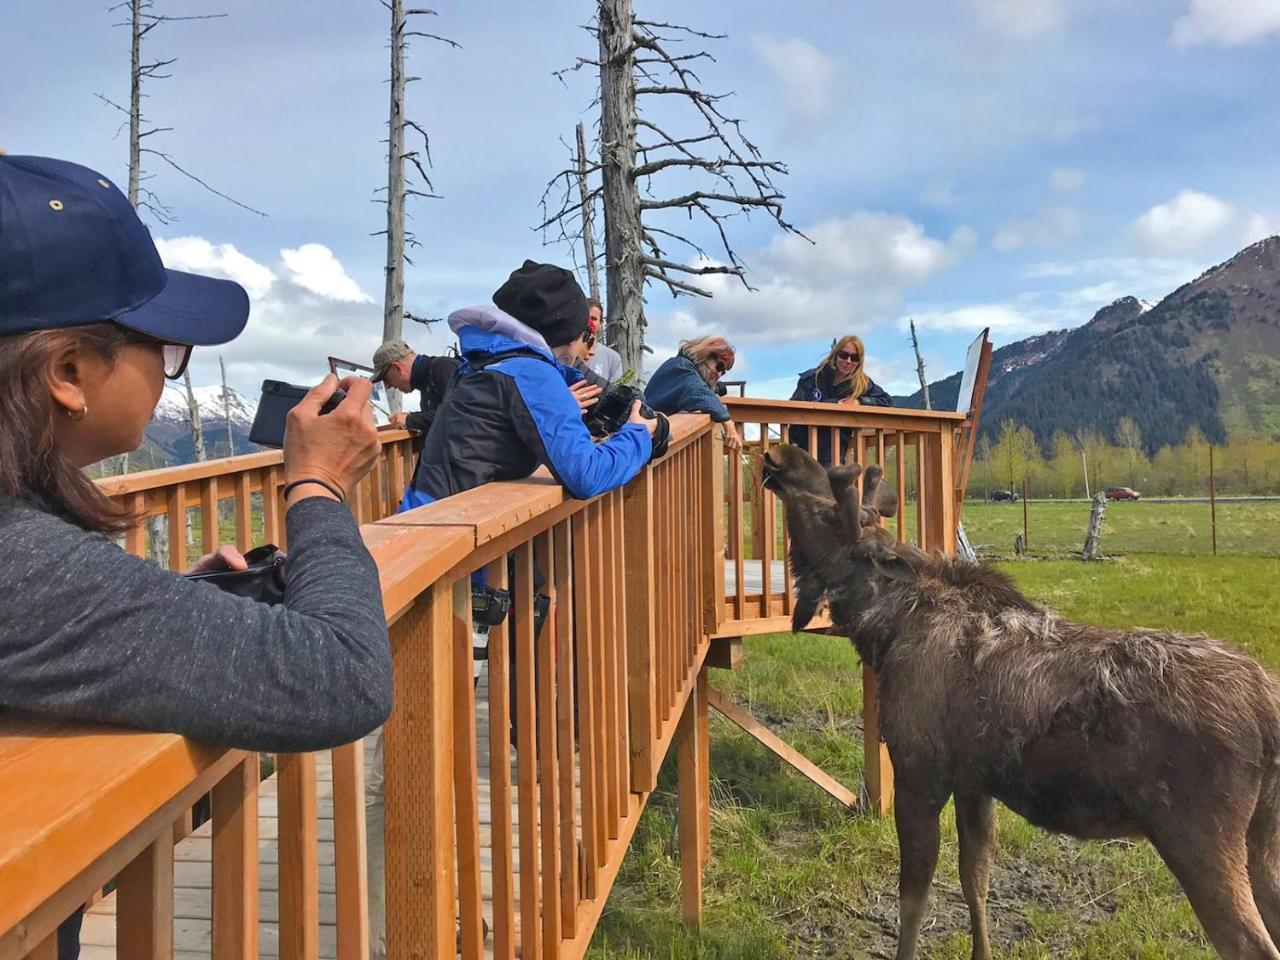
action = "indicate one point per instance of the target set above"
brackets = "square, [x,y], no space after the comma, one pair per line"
[192,859]
[753,578]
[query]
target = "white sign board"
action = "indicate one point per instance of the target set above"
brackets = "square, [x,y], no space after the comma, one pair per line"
[964,399]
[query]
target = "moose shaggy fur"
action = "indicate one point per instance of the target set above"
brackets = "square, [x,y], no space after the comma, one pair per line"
[1082,730]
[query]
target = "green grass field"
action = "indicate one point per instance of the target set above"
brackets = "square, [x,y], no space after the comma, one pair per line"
[1055,529]
[792,875]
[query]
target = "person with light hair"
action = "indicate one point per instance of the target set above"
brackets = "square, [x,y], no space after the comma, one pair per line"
[687,383]
[840,378]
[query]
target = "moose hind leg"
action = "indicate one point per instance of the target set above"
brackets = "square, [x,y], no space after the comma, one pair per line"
[1212,867]
[918,840]
[1264,854]
[976,825]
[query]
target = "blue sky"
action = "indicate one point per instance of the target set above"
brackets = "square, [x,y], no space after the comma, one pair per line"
[1012,163]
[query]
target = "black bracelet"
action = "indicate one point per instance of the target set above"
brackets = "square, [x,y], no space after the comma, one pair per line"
[320,483]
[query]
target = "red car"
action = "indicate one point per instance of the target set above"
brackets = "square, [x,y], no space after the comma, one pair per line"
[1123,493]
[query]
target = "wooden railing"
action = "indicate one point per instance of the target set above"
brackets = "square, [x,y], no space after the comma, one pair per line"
[530,838]
[526,838]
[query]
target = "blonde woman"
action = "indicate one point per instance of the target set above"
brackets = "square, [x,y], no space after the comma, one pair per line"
[841,378]
[687,383]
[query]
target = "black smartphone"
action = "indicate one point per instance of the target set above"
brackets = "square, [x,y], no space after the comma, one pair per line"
[278,398]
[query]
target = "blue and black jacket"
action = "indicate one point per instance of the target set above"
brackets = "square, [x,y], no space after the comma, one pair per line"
[509,411]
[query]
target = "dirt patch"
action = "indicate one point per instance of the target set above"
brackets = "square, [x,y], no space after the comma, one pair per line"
[1020,887]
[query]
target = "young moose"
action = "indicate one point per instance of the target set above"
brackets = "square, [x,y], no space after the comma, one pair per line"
[1083,730]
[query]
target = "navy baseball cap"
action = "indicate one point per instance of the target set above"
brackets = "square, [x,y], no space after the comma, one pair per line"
[73,252]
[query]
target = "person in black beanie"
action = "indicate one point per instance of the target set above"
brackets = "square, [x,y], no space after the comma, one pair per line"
[518,402]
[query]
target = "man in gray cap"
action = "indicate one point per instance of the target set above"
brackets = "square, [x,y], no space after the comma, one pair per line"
[395,364]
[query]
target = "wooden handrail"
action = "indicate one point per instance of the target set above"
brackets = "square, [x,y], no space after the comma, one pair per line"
[79,805]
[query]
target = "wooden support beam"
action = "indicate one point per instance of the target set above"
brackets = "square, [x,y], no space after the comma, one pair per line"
[877,766]
[784,751]
[693,797]
[725,653]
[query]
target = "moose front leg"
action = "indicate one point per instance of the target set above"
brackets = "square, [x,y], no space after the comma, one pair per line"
[916,817]
[976,825]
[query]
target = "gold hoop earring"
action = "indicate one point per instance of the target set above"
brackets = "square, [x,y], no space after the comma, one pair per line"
[84,410]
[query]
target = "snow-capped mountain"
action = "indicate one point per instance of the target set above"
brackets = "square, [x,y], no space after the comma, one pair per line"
[168,440]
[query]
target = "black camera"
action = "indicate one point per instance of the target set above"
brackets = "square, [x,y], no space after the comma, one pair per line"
[489,605]
[278,398]
[613,409]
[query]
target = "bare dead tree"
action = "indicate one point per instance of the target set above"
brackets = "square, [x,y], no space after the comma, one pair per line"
[588,218]
[399,188]
[193,417]
[639,62]
[140,23]
[924,381]
[226,409]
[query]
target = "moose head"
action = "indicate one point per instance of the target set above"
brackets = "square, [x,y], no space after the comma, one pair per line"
[838,546]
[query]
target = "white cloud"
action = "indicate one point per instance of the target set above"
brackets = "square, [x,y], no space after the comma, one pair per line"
[1049,227]
[1004,319]
[940,194]
[1066,179]
[313,267]
[198,255]
[851,278]
[1258,227]
[1022,19]
[1065,129]
[808,77]
[1226,23]
[1183,224]
[304,311]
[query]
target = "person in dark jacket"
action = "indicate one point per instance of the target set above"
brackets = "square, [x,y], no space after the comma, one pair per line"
[839,378]
[91,325]
[396,364]
[687,383]
[518,401]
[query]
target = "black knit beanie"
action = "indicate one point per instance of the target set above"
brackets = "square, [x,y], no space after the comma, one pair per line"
[546,298]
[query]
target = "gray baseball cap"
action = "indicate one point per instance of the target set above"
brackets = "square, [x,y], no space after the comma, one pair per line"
[386,355]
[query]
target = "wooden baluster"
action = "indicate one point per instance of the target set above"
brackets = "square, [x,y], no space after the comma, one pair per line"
[271,514]
[176,506]
[525,709]
[602,550]
[135,538]
[639,561]
[500,832]
[417,770]
[584,579]
[735,536]
[766,556]
[922,500]
[350,848]
[46,950]
[900,452]
[548,758]
[210,535]
[144,903]
[395,472]
[235,863]
[244,511]
[466,776]
[564,644]
[941,520]
[618,651]
[299,867]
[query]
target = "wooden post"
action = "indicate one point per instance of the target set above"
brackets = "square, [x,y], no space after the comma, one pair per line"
[1026,535]
[712,532]
[1213,503]
[694,797]
[299,862]
[144,907]
[235,863]
[878,767]
[1093,537]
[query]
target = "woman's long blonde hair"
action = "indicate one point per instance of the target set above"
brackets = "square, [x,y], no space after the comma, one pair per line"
[858,375]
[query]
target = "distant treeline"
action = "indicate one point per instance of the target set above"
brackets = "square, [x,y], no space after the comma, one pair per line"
[1244,465]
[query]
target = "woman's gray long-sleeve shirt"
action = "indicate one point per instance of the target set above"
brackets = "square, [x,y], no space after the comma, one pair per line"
[90,633]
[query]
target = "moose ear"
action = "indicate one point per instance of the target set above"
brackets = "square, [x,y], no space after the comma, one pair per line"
[889,564]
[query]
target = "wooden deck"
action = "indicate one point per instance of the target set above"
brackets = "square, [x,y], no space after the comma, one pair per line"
[192,896]
[753,578]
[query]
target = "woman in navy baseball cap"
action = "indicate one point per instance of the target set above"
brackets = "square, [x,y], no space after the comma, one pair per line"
[91,324]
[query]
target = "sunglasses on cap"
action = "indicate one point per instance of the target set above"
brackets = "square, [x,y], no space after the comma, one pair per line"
[589,339]
[846,355]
